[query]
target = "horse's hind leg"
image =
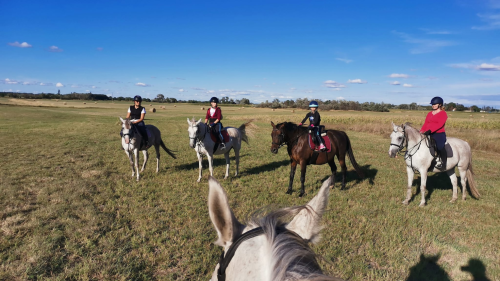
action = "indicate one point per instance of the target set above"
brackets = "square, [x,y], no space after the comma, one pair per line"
[344,170]
[157,148]
[293,167]
[333,167]
[136,155]
[453,178]
[226,155]
[463,181]
[237,160]
[200,159]
[146,156]
[303,169]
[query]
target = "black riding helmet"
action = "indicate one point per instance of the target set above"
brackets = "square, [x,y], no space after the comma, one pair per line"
[437,100]
[138,98]
[214,99]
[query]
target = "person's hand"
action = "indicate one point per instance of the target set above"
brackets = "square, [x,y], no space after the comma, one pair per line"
[300,124]
[312,125]
[428,132]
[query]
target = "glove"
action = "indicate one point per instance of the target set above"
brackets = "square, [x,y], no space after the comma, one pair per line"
[312,126]
[428,132]
[300,124]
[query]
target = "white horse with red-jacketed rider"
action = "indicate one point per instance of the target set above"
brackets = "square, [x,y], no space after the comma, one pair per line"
[200,140]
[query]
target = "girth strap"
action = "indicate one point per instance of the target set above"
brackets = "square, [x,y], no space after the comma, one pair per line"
[225,260]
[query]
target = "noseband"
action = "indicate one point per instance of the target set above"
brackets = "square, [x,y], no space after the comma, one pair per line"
[226,259]
[281,136]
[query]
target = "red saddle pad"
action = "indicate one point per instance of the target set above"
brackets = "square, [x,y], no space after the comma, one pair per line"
[314,147]
[215,138]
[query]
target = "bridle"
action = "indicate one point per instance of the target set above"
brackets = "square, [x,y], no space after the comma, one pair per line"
[224,260]
[281,139]
[409,151]
[401,145]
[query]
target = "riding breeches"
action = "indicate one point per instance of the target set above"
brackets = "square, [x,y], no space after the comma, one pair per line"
[440,139]
[317,135]
[217,127]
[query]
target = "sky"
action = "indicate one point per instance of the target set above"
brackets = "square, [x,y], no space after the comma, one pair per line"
[368,51]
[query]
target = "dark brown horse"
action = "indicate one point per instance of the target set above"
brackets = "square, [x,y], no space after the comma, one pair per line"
[296,139]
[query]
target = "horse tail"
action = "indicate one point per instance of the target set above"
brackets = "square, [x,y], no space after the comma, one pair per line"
[245,130]
[353,160]
[170,152]
[470,180]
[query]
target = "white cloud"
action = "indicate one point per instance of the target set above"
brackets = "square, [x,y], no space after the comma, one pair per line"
[93,87]
[340,98]
[333,84]
[492,22]
[395,83]
[293,89]
[396,75]
[142,84]
[210,91]
[408,85]
[9,81]
[356,81]
[59,85]
[488,67]
[55,49]
[344,60]
[75,86]
[182,90]
[20,45]
[423,45]
[30,83]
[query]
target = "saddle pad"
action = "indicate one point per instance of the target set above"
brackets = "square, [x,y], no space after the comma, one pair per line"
[326,141]
[215,138]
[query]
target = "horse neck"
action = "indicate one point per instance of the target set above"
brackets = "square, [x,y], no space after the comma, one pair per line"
[412,135]
[290,135]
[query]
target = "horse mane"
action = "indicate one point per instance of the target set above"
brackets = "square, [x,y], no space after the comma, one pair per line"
[412,132]
[292,258]
[289,126]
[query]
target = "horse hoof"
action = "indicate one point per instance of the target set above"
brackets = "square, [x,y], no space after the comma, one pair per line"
[289,192]
[331,186]
[405,202]
[422,204]
[453,200]
[198,180]
[301,194]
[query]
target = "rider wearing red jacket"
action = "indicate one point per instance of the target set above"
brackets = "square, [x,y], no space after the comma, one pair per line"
[212,119]
[434,126]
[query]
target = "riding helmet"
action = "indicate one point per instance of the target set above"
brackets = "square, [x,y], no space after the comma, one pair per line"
[138,98]
[214,99]
[437,100]
[313,104]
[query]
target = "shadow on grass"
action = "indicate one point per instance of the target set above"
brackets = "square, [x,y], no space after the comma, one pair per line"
[351,175]
[218,160]
[477,269]
[428,269]
[267,167]
[438,181]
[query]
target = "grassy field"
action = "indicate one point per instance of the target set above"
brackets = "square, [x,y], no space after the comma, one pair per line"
[70,209]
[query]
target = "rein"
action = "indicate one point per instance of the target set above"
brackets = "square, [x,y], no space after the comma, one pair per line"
[409,151]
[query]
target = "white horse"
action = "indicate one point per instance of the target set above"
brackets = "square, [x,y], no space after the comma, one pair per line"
[131,141]
[268,248]
[419,157]
[200,140]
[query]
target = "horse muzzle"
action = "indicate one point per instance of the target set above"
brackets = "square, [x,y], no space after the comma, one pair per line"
[274,150]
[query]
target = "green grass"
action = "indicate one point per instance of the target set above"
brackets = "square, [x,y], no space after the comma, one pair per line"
[71,210]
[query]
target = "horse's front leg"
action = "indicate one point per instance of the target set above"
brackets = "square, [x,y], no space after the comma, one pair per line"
[303,167]
[157,148]
[200,165]
[146,156]
[226,155]
[136,155]
[410,173]
[454,182]
[423,183]
[293,166]
[131,161]
[237,160]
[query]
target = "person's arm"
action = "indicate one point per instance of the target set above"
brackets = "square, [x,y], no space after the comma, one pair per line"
[305,118]
[128,113]
[142,118]
[426,124]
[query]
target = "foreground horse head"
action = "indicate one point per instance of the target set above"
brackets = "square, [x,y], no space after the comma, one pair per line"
[267,248]
[127,130]
[397,139]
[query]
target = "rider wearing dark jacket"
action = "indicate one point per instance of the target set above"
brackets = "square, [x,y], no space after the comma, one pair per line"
[434,126]
[314,120]
[137,113]
[212,119]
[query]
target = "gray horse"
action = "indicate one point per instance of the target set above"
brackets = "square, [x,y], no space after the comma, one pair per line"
[131,143]
[419,157]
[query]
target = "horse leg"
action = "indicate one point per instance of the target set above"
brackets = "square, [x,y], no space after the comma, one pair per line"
[226,155]
[136,154]
[463,181]
[200,165]
[210,163]
[333,167]
[237,160]
[453,178]
[293,166]
[157,148]
[344,170]
[146,156]
[131,161]
[423,182]
[410,173]
[303,167]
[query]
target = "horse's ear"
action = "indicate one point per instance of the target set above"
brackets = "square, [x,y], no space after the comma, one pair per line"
[225,223]
[307,222]
[189,121]
[272,124]
[121,119]
[198,121]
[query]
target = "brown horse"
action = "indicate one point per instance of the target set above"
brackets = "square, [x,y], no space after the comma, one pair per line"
[296,139]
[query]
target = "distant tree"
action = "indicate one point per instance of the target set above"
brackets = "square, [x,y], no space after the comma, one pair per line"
[460,107]
[159,98]
[450,106]
[244,101]
[474,108]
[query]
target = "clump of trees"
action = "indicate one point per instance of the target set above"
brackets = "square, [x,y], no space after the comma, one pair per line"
[328,105]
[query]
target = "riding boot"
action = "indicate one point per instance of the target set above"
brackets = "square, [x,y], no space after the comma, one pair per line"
[222,144]
[443,156]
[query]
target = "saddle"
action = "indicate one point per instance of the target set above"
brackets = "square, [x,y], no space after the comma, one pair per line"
[215,137]
[315,146]
[434,151]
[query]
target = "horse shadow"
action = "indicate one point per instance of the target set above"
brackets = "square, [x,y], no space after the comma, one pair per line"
[267,167]
[427,269]
[438,181]
[351,175]
[477,269]
[217,162]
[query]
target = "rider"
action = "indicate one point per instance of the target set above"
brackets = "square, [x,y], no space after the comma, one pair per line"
[434,126]
[214,115]
[314,119]
[136,112]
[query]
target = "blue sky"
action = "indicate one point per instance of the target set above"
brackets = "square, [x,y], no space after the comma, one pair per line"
[381,51]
